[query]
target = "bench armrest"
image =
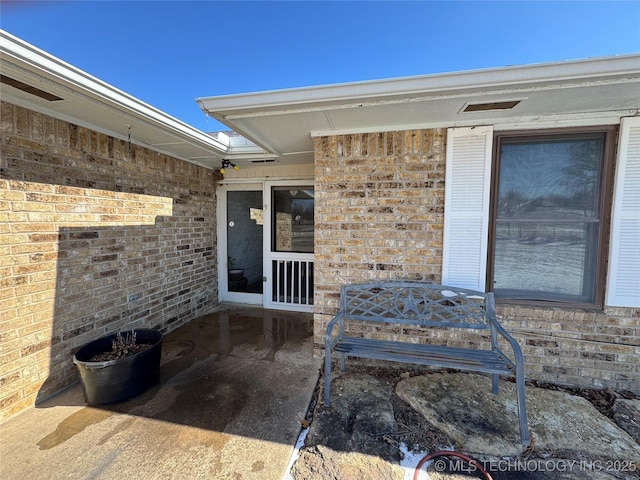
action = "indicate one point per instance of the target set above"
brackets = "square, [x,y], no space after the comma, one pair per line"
[330,339]
[520,381]
[517,351]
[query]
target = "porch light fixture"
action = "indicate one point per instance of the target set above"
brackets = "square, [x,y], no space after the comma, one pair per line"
[227,163]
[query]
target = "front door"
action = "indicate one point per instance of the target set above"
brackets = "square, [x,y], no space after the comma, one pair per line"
[241,234]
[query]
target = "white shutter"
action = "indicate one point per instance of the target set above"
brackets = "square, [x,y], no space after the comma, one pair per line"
[466,207]
[623,285]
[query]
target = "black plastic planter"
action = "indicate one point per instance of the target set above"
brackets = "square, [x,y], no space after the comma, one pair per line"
[116,380]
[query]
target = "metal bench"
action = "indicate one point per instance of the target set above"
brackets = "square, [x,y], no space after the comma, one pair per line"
[424,305]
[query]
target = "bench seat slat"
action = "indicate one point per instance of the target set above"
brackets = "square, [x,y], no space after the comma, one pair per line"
[449,357]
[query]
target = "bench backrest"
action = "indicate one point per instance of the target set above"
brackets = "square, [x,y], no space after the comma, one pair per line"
[417,304]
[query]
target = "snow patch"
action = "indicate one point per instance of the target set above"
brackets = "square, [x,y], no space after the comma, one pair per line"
[410,460]
[295,454]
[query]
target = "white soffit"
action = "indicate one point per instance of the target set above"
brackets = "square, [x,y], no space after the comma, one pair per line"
[579,92]
[92,103]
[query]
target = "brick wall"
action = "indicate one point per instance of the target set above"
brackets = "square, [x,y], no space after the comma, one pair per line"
[95,236]
[597,349]
[379,215]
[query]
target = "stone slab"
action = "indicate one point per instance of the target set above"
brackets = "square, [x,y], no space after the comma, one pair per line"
[626,413]
[560,424]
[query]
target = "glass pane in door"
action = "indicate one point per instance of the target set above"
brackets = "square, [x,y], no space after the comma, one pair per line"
[292,223]
[244,241]
[292,220]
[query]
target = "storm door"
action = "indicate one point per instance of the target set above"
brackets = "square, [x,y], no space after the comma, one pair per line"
[289,262]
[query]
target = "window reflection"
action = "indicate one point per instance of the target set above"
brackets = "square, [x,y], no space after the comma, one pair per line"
[293,219]
[547,218]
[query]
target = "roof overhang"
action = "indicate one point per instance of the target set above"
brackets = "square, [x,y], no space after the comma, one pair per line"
[34,79]
[580,92]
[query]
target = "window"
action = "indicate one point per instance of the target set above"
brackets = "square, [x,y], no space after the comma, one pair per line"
[293,220]
[549,218]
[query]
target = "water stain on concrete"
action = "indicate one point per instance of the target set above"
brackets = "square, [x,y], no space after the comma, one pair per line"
[73,425]
[197,387]
[121,427]
[221,332]
[174,349]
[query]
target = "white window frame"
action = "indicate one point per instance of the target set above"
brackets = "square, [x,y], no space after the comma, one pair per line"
[469,155]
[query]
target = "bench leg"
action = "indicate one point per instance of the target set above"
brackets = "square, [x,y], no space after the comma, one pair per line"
[522,408]
[327,378]
[327,375]
[494,383]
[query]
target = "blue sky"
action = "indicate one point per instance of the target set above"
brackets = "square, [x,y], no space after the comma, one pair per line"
[168,53]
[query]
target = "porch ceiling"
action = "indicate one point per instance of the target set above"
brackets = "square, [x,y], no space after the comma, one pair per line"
[582,92]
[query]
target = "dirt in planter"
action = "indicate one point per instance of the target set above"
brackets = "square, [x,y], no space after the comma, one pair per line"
[121,347]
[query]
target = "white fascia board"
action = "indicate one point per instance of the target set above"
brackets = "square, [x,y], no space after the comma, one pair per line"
[240,147]
[254,138]
[222,137]
[528,75]
[476,94]
[517,123]
[160,148]
[28,57]
[249,151]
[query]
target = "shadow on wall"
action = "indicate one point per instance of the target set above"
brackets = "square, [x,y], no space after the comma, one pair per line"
[99,235]
[124,277]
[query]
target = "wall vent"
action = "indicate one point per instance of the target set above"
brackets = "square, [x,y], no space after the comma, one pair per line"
[268,160]
[29,88]
[483,107]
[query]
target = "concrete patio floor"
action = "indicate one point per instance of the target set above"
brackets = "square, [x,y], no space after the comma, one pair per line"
[234,388]
[236,385]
